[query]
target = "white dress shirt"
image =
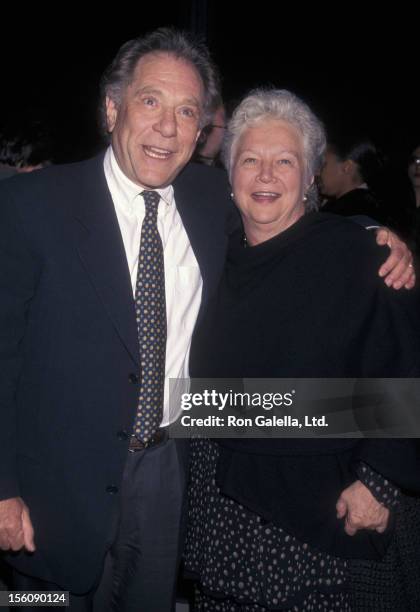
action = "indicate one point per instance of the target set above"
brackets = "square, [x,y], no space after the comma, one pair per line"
[183,282]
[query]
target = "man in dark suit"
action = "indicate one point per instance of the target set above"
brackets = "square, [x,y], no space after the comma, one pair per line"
[91,489]
[91,504]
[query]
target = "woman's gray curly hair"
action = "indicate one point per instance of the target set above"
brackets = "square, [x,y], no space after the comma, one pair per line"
[282,105]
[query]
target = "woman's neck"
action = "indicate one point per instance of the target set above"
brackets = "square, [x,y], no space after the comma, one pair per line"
[256,233]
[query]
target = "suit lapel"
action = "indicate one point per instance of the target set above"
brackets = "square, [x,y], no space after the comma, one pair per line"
[101,250]
[204,224]
[194,223]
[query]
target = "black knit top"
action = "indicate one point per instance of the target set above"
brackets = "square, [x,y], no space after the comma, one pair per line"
[309,303]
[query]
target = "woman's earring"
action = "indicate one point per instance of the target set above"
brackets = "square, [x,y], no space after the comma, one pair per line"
[232,195]
[305,198]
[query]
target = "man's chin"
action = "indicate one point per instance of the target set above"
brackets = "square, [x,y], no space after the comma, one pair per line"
[154,181]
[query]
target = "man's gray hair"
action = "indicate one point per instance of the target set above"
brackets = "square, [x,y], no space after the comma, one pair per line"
[282,105]
[179,44]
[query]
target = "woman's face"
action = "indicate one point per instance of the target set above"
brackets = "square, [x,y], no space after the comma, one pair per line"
[332,175]
[414,168]
[268,178]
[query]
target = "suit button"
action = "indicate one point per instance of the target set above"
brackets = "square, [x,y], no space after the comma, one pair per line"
[122,435]
[112,489]
[133,378]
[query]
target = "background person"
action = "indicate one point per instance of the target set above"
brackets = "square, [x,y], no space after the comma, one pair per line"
[352,167]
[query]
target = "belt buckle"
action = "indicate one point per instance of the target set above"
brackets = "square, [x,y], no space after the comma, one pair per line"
[137,445]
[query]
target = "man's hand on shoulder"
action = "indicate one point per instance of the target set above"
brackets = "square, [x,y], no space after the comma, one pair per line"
[16,530]
[398,270]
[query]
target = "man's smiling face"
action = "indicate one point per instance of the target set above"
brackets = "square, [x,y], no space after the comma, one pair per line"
[156,125]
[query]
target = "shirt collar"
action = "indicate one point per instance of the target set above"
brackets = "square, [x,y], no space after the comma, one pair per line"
[127,189]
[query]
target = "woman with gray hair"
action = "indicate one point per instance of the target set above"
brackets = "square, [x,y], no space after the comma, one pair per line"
[275,524]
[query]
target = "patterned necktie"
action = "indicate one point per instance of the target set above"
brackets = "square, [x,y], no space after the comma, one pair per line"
[151,322]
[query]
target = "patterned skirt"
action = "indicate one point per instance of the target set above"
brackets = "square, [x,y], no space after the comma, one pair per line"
[245,564]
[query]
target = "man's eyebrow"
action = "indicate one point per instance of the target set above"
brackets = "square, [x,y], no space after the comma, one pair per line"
[152,90]
[147,89]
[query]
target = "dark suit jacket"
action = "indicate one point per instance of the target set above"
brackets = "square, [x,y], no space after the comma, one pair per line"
[68,344]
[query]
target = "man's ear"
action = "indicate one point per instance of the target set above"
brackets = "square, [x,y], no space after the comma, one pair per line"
[111,113]
[349,166]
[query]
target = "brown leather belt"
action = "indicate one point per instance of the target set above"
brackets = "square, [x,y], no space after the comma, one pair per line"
[137,445]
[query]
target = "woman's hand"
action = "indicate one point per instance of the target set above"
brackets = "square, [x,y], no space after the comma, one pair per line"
[361,510]
[398,269]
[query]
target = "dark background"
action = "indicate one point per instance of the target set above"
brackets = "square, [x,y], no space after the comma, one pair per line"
[353,69]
